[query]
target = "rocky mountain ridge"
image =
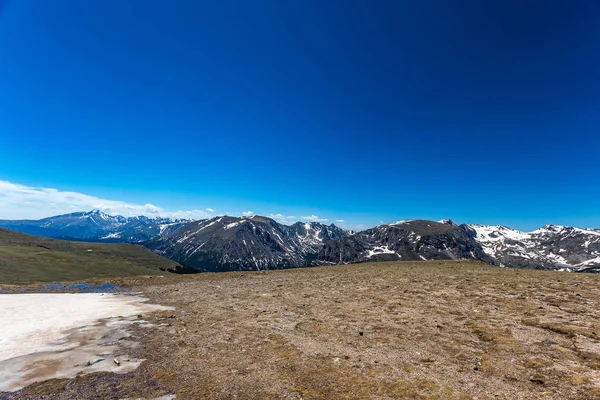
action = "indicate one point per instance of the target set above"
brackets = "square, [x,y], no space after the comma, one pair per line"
[550,247]
[404,241]
[96,226]
[248,243]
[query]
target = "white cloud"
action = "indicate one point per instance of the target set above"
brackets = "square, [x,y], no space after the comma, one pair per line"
[187,214]
[152,209]
[284,219]
[339,221]
[27,202]
[314,218]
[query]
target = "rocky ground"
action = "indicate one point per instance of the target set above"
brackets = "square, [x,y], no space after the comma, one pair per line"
[414,330]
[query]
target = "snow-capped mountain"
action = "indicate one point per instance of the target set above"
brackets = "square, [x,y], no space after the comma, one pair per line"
[404,241]
[231,243]
[96,226]
[253,243]
[550,247]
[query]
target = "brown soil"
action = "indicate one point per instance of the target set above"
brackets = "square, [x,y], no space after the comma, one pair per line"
[421,330]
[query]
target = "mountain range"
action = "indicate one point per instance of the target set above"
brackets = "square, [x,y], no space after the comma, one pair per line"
[550,247]
[253,243]
[96,226]
[405,240]
[226,243]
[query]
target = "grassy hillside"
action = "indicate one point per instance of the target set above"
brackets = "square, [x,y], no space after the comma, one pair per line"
[28,259]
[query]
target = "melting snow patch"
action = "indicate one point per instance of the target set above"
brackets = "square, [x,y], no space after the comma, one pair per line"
[380,250]
[233,224]
[59,335]
[404,221]
[588,263]
[114,235]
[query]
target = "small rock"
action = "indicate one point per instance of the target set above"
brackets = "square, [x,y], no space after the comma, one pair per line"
[549,342]
[537,378]
[361,333]
[90,363]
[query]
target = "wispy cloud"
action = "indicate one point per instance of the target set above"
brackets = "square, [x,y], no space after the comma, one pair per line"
[27,202]
[21,201]
[284,219]
[314,218]
[340,221]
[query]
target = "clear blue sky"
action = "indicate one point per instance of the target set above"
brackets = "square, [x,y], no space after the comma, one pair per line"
[367,111]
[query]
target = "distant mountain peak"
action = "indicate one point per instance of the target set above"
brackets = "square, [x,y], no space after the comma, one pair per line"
[550,247]
[96,225]
[257,242]
[245,243]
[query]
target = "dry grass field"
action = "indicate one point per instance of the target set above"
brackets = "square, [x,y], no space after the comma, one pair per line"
[414,330]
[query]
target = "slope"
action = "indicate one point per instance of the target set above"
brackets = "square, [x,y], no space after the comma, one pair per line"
[404,241]
[96,226]
[26,259]
[256,243]
[550,247]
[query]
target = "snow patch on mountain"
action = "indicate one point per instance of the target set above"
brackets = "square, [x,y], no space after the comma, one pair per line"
[96,225]
[247,243]
[551,246]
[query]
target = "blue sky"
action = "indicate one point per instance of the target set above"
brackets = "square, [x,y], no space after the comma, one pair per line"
[359,111]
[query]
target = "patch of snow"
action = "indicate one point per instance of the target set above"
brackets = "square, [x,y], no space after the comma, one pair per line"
[279,237]
[587,231]
[114,235]
[558,259]
[163,227]
[232,225]
[380,250]
[589,263]
[404,221]
[67,332]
